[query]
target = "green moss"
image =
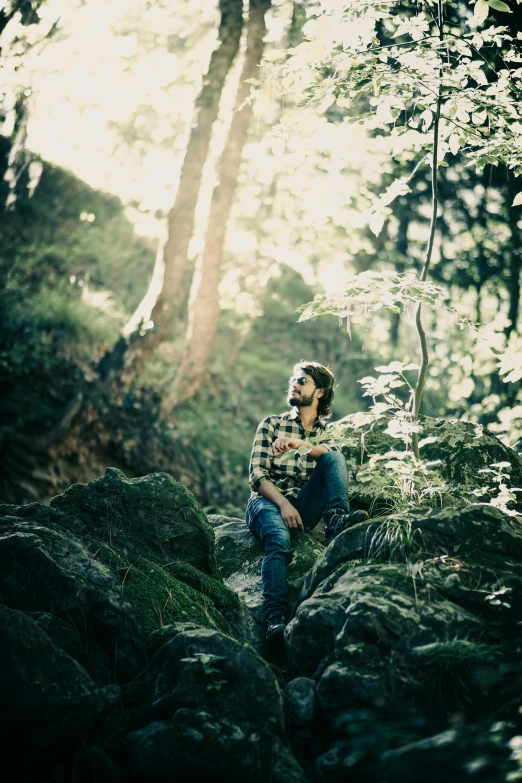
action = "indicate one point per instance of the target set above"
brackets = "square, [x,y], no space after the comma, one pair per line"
[159,599]
[152,514]
[222,597]
[455,652]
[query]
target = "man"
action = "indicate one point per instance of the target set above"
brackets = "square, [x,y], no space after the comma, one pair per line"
[295,491]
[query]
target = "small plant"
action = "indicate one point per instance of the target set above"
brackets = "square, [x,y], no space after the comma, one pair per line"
[207,661]
[496,598]
[394,541]
[407,481]
[500,495]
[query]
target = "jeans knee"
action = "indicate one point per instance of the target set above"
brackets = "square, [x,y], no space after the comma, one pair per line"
[332,458]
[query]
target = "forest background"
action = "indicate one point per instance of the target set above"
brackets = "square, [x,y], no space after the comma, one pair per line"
[162,226]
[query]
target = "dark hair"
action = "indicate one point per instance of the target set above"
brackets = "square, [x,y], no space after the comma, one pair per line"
[323,378]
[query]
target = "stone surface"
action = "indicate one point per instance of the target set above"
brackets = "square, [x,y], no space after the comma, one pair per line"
[373,604]
[405,638]
[196,746]
[462,447]
[204,669]
[153,515]
[216,520]
[215,709]
[479,532]
[47,697]
[488,751]
[97,604]
[301,701]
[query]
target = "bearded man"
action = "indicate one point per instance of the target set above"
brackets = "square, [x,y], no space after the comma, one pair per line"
[296,491]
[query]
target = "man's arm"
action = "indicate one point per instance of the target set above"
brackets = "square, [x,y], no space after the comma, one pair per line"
[290,515]
[262,455]
[281,445]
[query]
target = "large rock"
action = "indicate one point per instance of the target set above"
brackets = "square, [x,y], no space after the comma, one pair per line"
[479,533]
[485,750]
[215,710]
[75,597]
[372,605]
[404,620]
[463,449]
[152,515]
[204,669]
[97,602]
[48,699]
[196,746]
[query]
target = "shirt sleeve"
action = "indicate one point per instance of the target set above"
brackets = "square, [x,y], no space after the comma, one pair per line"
[261,457]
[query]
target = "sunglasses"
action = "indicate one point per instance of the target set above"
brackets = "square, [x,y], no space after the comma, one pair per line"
[300,381]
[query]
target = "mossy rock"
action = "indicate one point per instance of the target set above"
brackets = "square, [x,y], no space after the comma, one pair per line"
[224,599]
[197,674]
[485,749]
[154,516]
[155,597]
[373,604]
[47,697]
[462,447]
[477,533]
[196,745]
[97,604]
[202,668]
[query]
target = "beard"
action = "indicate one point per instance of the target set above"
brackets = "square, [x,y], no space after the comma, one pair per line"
[300,400]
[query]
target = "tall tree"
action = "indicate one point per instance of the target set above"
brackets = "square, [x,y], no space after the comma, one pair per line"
[204,311]
[169,302]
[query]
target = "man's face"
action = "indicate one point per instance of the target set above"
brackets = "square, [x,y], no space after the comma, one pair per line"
[301,390]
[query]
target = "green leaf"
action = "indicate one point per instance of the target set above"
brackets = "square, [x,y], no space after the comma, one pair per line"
[498,5]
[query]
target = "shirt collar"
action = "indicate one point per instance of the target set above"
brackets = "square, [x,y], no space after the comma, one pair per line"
[293,414]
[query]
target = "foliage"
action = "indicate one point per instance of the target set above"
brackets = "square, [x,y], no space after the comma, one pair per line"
[64,252]
[407,482]
[387,60]
[369,172]
[207,661]
[500,495]
[395,541]
[396,64]
[376,290]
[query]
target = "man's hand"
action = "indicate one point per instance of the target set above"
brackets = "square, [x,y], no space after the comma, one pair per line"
[281,445]
[290,515]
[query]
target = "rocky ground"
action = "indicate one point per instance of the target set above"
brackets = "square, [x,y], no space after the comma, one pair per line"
[132,644]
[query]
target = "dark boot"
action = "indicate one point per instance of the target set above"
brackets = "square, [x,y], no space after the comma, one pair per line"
[342,520]
[275,627]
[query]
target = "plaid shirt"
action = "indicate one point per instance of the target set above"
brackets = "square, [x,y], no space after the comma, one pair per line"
[292,472]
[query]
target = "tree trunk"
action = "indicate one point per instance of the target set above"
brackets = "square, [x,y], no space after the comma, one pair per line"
[204,315]
[172,290]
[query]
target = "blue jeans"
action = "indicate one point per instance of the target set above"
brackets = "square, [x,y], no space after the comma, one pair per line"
[325,492]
